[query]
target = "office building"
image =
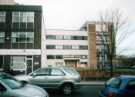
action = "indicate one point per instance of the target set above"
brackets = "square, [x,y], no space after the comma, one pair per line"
[20,37]
[66,48]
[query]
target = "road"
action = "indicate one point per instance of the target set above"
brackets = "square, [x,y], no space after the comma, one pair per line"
[85,91]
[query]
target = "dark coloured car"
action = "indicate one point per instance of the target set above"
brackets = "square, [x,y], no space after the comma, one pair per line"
[121,86]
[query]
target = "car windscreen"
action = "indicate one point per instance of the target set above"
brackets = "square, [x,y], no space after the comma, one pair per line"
[12,83]
[114,83]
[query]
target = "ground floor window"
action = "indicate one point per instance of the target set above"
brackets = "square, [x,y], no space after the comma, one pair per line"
[25,64]
[18,63]
[1,61]
[71,63]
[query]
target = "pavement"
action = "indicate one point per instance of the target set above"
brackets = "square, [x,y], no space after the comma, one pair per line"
[86,83]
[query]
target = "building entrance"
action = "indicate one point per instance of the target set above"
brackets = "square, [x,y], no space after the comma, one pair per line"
[71,63]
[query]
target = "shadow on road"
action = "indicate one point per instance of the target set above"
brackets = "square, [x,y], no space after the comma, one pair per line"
[85,91]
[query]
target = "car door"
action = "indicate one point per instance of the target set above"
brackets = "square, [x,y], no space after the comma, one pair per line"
[130,88]
[39,77]
[55,78]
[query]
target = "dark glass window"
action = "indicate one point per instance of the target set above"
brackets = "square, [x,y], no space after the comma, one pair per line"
[67,47]
[131,85]
[23,20]
[2,16]
[50,37]
[83,47]
[2,37]
[50,57]
[114,82]
[22,39]
[50,47]
[59,57]
[1,61]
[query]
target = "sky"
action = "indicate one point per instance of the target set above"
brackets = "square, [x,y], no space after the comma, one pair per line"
[72,14]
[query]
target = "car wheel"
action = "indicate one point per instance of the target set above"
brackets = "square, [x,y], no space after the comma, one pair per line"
[67,89]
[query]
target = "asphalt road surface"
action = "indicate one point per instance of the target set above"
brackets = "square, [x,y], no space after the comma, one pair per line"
[85,91]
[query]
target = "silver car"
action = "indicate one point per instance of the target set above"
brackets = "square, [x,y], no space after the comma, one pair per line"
[65,79]
[10,87]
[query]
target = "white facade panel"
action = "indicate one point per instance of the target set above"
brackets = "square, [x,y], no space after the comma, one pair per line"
[20,52]
[66,32]
[67,52]
[66,42]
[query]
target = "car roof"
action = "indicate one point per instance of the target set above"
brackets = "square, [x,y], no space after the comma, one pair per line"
[57,67]
[127,77]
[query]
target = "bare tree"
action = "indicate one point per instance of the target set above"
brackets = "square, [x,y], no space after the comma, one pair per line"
[112,22]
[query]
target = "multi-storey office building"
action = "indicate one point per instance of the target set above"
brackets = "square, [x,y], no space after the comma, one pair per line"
[20,37]
[67,48]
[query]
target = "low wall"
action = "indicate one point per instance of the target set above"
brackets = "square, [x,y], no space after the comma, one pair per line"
[95,74]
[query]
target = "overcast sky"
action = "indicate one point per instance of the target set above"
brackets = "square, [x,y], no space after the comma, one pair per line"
[72,14]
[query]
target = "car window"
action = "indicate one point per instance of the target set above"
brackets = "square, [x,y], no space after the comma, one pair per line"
[2,88]
[56,72]
[13,84]
[71,71]
[131,85]
[114,82]
[43,71]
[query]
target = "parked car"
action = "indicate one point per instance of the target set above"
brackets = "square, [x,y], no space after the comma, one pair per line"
[122,86]
[10,87]
[62,78]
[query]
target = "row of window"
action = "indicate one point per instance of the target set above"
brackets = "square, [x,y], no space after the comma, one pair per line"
[66,37]
[19,39]
[64,56]
[23,17]
[68,47]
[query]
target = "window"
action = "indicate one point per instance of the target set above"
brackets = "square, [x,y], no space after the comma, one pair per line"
[23,17]
[2,88]
[12,83]
[2,37]
[83,47]
[57,72]
[18,63]
[59,47]
[75,47]
[23,20]
[50,57]
[114,82]
[50,47]
[42,71]
[2,16]
[67,47]
[1,61]
[84,37]
[85,63]
[59,57]
[83,56]
[79,37]
[131,85]
[59,37]
[50,37]
[67,37]
[22,39]
[76,38]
